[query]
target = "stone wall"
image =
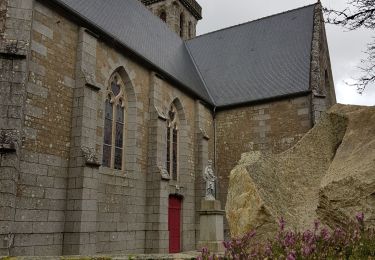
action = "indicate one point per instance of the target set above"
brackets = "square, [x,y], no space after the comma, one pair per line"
[42,179]
[321,79]
[59,200]
[15,24]
[272,127]
[55,197]
[173,10]
[121,197]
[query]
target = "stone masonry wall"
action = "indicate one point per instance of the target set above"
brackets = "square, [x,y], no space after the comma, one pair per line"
[272,127]
[173,10]
[133,204]
[61,201]
[41,190]
[15,23]
[321,78]
[121,194]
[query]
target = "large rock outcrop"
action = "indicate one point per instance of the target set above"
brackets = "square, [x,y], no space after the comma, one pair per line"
[328,175]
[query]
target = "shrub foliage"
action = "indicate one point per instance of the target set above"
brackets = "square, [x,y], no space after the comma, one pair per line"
[355,241]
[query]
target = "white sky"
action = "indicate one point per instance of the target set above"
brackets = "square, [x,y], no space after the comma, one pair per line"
[346,48]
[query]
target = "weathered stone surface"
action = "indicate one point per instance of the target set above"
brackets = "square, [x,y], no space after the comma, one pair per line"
[328,175]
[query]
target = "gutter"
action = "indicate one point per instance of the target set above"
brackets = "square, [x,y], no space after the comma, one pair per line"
[265,100]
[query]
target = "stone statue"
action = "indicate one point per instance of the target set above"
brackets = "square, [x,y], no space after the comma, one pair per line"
[210,179]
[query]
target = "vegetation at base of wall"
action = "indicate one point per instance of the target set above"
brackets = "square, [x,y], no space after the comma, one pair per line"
[8,258]
[86,258]
[354,242]
[61,258]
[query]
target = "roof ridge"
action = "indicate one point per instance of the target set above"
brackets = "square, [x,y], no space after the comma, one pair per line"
[200,74]
[256,20]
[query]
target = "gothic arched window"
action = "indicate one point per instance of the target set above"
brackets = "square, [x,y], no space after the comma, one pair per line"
[163,16]
[114,124]
[172,143]
[181,24]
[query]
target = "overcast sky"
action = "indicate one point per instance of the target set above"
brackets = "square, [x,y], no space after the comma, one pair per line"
[346,48]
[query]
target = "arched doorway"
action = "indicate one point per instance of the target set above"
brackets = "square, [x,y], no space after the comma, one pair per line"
[174,223]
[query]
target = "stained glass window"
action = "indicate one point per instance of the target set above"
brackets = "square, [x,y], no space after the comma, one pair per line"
[172,144]
[168,150]
[115,86]
[174,154]
[107,134]
[119,136]
[114,125]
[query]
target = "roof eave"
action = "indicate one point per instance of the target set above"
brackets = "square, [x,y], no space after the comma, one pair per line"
[262,101]
[130,52]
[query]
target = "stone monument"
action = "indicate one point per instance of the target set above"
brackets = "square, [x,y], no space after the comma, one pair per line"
[210,179]
[211,224]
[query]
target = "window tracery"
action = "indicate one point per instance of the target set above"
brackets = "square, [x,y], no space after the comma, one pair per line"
[114,124]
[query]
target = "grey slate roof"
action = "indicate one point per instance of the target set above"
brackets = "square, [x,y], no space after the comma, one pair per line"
[133,25]
[262,59]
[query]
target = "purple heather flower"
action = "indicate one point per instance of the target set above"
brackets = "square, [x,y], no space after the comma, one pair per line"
[307,236]
[291,256]
[324,234]
[307,250]
[281,224]
[316,225]
[338,233]
[360,217]
[251,234]
[268,250]
[226,244]
[289,239]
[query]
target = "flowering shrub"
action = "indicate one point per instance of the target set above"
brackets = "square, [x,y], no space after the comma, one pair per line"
[353,242]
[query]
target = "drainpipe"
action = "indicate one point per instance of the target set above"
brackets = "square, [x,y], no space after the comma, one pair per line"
[215,154]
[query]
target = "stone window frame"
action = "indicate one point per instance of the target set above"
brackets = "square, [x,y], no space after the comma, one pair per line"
[130,122]
[116,100]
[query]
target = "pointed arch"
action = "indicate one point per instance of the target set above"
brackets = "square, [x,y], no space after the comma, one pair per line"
[119,120]
[175,133]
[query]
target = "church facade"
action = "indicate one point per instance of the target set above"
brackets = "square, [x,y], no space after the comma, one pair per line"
[109,114]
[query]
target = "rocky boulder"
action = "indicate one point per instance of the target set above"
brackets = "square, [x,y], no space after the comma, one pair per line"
[328,175]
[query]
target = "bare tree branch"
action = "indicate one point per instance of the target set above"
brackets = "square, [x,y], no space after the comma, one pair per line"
[358,14]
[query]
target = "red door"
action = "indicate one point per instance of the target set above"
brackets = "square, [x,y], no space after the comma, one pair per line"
[174,225]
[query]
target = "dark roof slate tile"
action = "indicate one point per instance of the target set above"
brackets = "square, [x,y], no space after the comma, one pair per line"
[262,59]
[258,60]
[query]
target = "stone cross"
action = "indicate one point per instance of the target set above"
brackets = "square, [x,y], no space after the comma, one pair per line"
[210,179]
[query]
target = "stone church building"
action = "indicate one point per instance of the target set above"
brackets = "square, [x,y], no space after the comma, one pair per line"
[110,112]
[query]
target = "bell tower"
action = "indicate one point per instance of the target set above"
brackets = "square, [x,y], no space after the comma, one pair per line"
[181,16]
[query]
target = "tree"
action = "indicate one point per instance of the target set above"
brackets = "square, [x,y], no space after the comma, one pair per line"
[358,14]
